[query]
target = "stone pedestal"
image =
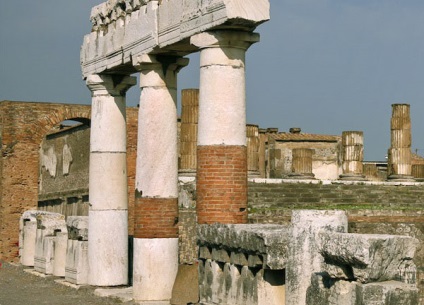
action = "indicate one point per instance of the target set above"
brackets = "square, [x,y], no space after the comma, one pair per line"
[188,132]
[399,154]
[156,207]
[252,139]
[108,222]
[76,269]
[302,163]
[353,155]
[221,152]
[60,246]
[303,257]
[27,236]
[47,226]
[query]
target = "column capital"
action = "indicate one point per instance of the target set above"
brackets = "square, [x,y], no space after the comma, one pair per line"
[115,85]
[224,39]
[157,70]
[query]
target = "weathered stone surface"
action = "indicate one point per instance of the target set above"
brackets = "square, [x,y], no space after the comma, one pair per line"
[369,258]
[268,241]
[77,227]
[185,290]
[303,257]
[389,293]
[27,235]
[324,290]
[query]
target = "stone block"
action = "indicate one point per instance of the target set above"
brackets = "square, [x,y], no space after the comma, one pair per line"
[48,225]
[77,227]
[270,241]
[369,258]
[186,286]
[325,290]
[60,246]
[76,270]
[303,256]
[149,25]
[27,235]
[389,293]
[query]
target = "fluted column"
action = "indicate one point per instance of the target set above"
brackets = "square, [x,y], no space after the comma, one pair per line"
[221,152]
[188,133]
[108,213]
[252,138]
[353,155]
[399,154]
[302,163]
[156,206]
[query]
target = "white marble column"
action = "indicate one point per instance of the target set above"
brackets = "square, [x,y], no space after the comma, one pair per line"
[221,151]
[108,214]
[156,203]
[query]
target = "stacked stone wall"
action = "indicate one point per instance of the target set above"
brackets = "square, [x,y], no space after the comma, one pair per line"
[273,202]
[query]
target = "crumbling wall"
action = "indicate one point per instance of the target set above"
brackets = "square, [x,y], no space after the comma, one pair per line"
[63,178]
[23,127]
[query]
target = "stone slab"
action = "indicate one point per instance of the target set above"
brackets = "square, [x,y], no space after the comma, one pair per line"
[270,241]
[372,258]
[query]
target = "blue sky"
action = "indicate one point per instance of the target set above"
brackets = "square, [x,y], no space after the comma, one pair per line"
[323,65]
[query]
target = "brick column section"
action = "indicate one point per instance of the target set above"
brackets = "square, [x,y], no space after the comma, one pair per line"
[156,203]
[222,154]
[188,133]
[400,156]
[353,155]
[108,190]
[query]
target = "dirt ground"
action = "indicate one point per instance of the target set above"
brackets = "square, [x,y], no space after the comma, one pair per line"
[21,288]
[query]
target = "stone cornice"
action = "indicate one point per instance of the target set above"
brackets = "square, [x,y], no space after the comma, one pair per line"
[124,29]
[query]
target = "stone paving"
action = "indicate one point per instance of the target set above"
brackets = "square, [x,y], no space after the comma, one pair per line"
[18,287]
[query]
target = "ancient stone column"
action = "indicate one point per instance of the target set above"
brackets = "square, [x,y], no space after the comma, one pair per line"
[263,138]
[221,153]
[252,139]
[302,163]
[156,202]
[108,213]
[418,172]
[188,133]
[399,154]
[353,155]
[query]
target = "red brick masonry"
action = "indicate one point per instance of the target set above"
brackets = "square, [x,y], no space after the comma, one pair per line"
[156,218]
[221,184]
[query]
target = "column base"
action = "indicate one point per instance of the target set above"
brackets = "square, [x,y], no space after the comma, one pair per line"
[187,173]
[352,177]
[401,178]
[253,174]
[301,176]
[155,269]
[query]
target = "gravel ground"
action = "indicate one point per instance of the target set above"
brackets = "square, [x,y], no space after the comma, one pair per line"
[21,288]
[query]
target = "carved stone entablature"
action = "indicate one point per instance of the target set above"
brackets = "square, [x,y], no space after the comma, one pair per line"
[109,11]
[126,29]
